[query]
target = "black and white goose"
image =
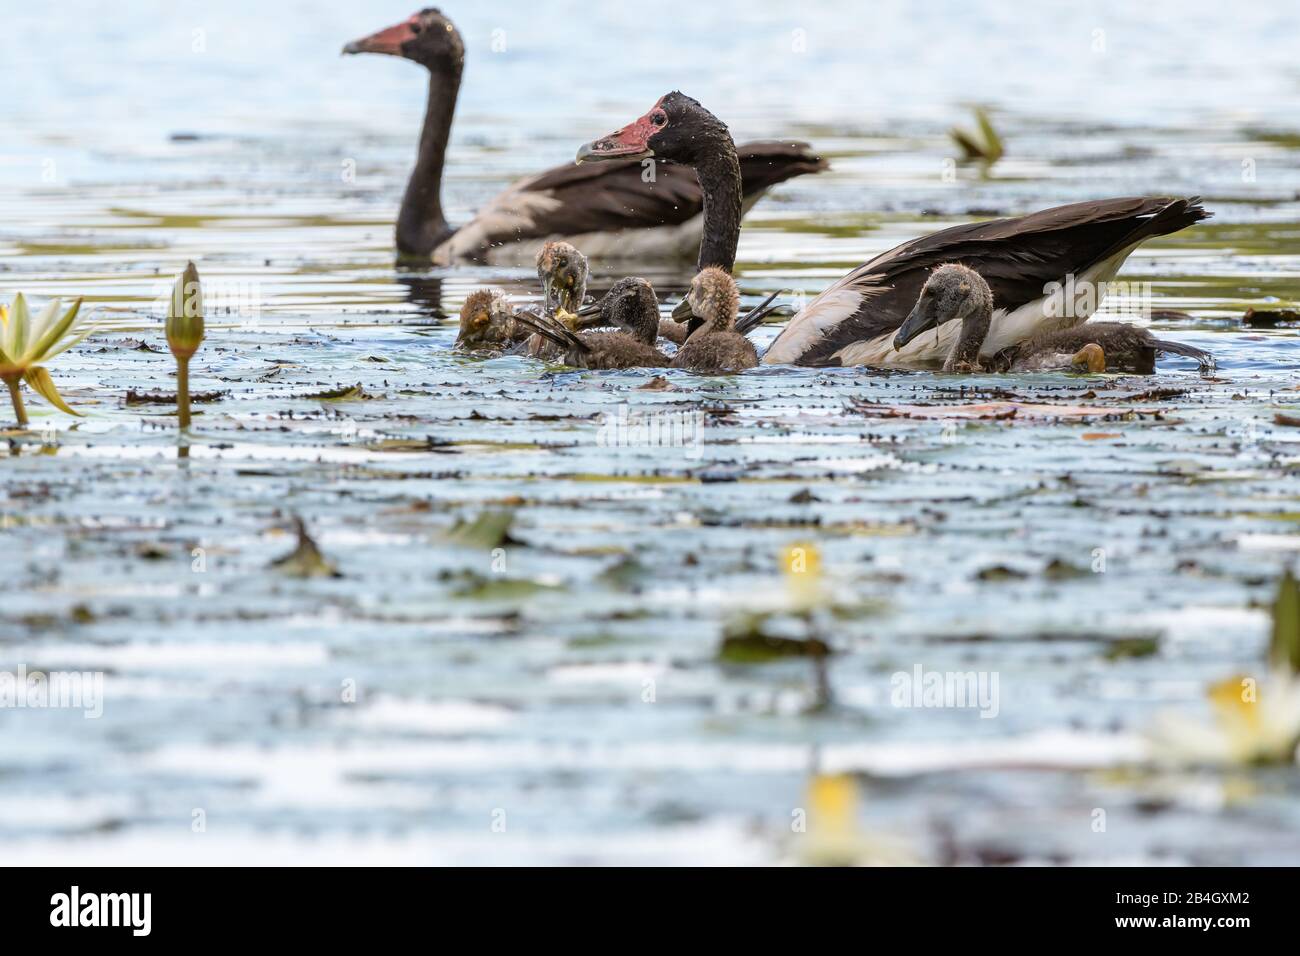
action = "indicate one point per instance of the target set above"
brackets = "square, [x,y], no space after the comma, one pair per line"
[1025,260]
[610,212]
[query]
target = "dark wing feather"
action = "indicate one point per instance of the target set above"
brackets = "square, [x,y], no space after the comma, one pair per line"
[612,196]
[1017,257]
[764,163]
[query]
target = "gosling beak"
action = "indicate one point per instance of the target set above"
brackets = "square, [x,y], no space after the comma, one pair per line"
[917,321]
[548,290]
[682,311]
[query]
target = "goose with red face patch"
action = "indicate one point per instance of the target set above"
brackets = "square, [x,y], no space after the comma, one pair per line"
[608,211]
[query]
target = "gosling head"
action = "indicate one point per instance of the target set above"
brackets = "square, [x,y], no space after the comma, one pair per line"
[713,297]
[485,320]
[427,37]
[951,292]
[563,271]
[632,305]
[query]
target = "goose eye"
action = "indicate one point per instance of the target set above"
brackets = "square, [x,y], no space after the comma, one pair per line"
[416,28]
[659,117]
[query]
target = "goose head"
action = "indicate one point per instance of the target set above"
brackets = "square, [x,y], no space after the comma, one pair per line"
[951,292]
[677,127]
[563,271]
[427,37]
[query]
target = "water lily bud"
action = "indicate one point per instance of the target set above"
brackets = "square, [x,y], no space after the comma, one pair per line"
[185,316]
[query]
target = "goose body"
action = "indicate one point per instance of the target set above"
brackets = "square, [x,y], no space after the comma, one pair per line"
[957,298]
[610,211]
[1027,261]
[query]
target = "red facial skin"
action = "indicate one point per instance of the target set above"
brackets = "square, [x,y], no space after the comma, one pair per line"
[632,140]
[385,41]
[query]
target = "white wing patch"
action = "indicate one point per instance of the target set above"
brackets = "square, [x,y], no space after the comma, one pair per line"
[655,242]
[490,235]
[506,215]
[818,319]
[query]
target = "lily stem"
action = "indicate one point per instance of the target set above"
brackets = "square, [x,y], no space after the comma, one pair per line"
[183,392]
[16,396]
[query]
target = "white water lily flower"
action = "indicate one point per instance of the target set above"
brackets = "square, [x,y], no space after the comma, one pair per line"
[1255,722]
[27,341]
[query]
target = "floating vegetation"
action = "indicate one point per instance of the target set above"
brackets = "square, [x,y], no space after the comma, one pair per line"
[746,642]
[983,144]
[488,530]
[1129,647]
[1284,638]
[1000,572]
[341,393]
[134,397]
[27,341]
[473,586]
[305,560]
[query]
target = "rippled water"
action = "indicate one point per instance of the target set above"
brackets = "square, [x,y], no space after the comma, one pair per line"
[569,685]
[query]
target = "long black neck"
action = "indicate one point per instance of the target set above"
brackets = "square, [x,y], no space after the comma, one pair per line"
[421,225]
[718,169]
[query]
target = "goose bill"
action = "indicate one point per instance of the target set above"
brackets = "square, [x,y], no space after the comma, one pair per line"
[630,142]
[387,41]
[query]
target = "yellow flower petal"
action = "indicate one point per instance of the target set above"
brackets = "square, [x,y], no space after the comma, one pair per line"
[41,383]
